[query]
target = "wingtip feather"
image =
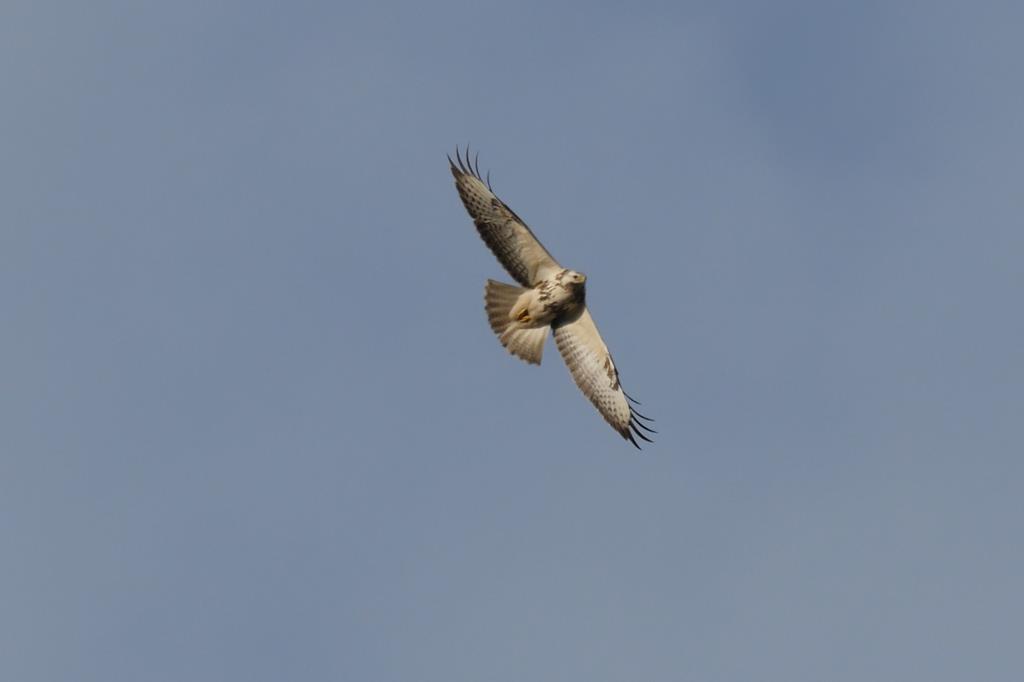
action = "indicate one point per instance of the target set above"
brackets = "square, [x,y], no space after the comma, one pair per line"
[467,163]
[641,435]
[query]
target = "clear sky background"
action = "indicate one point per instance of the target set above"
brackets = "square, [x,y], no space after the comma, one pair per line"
[254,425]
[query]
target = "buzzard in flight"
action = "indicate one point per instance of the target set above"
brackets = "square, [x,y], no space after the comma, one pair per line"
[550,297]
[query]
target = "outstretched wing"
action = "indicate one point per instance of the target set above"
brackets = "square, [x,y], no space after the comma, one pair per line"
[502,230]
[592,368]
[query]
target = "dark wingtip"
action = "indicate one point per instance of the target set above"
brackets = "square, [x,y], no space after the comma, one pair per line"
[629,436]
[467,163]
[632,410]
[456,165]
[640,434]
[637,414]
[635,426]
[643,426]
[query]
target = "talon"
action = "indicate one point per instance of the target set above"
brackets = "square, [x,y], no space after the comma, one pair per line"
[523,316]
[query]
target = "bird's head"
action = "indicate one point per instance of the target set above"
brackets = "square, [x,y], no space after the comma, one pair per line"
[576,282]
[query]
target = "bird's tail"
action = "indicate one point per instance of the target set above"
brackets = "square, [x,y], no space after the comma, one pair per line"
[521,340]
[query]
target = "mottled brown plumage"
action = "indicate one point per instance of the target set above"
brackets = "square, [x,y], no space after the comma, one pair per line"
[505,233]
[550,297]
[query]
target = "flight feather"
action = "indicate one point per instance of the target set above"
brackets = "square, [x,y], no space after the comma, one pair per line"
[595,374]
[505,233]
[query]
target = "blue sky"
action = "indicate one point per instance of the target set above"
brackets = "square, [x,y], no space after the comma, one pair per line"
[255,425]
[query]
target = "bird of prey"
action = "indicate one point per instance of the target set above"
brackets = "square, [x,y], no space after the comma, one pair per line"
[550,296]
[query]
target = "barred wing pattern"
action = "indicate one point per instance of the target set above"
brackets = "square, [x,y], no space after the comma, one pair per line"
[592,368]
[518,250]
